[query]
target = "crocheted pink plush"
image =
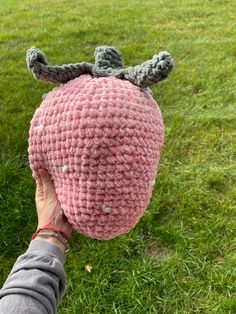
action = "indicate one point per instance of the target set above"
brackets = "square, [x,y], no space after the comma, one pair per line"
[100,140]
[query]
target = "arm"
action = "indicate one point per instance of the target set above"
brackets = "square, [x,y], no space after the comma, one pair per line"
[37,281]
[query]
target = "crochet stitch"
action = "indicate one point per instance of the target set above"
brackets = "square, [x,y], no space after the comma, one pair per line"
[99,135]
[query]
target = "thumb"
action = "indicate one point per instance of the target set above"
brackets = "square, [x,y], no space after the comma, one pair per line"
[47,183]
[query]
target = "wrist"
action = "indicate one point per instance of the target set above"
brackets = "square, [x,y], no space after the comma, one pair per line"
[57,223]
[57,237]
[51,232]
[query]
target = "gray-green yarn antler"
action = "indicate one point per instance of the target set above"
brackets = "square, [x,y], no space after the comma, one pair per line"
[37,63]
[150,72]
[107,63]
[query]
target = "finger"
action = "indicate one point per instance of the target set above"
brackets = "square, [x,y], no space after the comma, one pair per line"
[39,192]
[48,186]
[38,180]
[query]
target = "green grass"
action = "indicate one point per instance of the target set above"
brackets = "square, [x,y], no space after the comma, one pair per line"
[181,257]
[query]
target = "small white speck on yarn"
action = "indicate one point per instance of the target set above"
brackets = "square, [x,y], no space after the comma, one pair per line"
[106,209]
[65,168]
[152,183]
[39,127]
[44,96]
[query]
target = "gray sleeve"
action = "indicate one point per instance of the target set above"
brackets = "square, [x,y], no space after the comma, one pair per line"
[36,282]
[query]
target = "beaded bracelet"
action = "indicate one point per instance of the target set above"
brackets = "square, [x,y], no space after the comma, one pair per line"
[56,234]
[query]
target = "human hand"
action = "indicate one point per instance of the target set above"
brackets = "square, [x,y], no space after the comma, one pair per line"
[48,207]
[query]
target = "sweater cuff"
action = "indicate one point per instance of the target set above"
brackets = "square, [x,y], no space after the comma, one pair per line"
[47,248]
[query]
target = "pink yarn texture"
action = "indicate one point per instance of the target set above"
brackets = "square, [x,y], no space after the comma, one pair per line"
[100,140]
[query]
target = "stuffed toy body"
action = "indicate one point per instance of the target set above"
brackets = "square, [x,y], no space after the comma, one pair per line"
[99,135]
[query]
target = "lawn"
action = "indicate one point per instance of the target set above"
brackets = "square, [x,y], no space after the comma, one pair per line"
[181,257]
